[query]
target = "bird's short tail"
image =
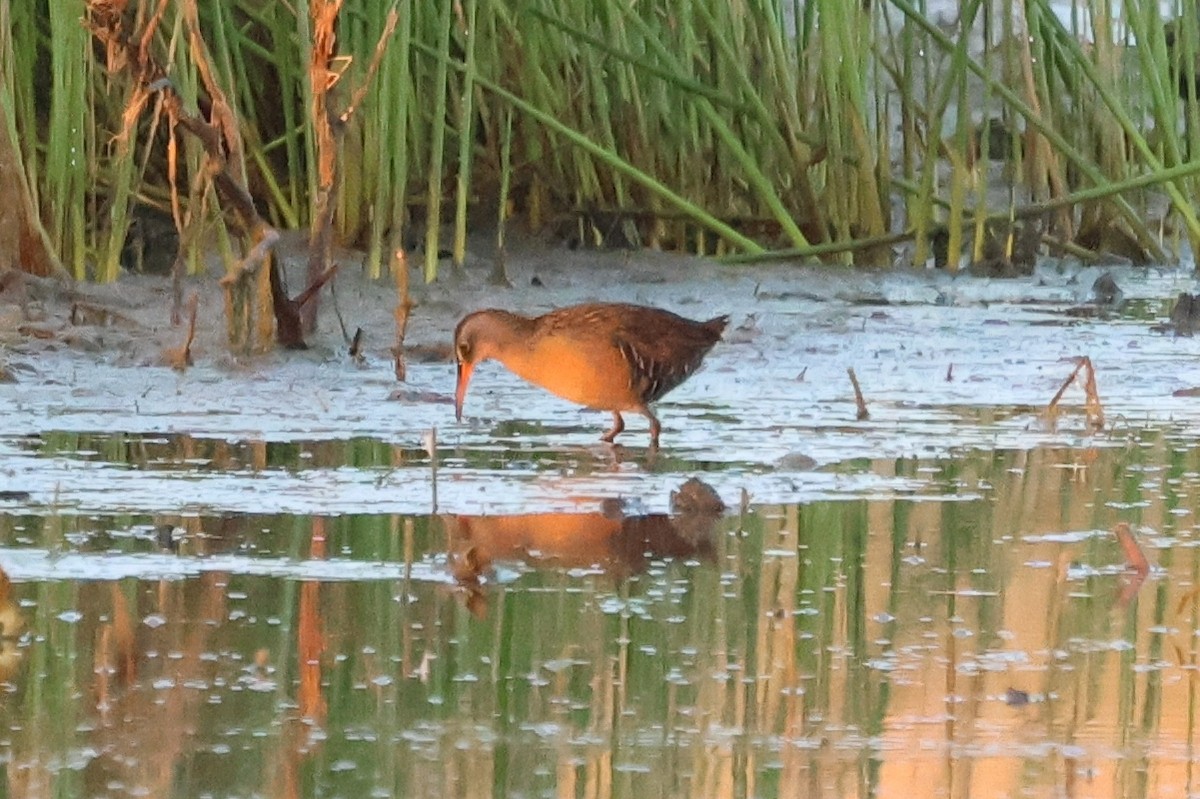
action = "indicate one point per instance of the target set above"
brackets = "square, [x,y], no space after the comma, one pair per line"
[716,325]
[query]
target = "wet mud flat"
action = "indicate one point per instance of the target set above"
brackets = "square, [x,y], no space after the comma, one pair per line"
[269,577]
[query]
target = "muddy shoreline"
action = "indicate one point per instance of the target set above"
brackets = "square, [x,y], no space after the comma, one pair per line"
[946,363]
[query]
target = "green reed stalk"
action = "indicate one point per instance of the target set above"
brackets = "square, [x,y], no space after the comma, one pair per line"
[392,118]
[1159,71]
[1185,61]
[611,159]
[66,162]
[437,138]
[757,180]
[913,62]
[287,61]
[302,34]
[962,133]
[466,118]
[603,110]
[1040,160]
[979,234]
[939,90]
[1133,132]
[1147,27]
[642,65]
[853,26]
[793,149]
[1091,194]
[185,82]
[121,174]
[18,56]
[499,271]
[1035,119]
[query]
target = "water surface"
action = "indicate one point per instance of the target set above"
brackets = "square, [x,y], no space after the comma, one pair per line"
[278,582]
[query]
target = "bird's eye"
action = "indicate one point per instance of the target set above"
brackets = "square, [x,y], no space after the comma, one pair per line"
[464,351]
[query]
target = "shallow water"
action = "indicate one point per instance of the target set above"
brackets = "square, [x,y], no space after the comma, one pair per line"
[237,583]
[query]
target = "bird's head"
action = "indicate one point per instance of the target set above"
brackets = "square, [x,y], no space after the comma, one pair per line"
[479,336]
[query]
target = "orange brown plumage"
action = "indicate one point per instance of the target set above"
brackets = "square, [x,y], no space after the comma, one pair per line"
[607,356]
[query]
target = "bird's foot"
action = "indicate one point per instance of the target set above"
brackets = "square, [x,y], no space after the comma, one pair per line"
[617,428]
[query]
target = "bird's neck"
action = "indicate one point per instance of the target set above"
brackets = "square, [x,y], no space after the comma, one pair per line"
[509,337]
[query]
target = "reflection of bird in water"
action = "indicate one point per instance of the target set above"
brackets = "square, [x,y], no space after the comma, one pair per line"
[607,356]
[608,539]
[12,626]
[1185,315]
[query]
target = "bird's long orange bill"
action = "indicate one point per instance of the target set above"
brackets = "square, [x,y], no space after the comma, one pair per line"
[460,393]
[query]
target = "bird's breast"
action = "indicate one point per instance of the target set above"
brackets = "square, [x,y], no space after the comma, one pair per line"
[588,374]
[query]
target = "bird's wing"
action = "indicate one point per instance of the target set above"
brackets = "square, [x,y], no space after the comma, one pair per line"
[658,361]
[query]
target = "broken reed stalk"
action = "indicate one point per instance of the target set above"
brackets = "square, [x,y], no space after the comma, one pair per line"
[289,313]
[1051,412]
[863,414]
[1093,409]
[1109,191]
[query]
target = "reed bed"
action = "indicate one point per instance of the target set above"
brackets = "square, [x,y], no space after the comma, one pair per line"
[860,133]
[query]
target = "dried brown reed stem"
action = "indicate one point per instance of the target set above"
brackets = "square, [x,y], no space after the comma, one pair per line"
[311,640]
[289,329]
[24,241]
[219,136]
[116,655]
[1093,409]
[248,266]
[321,79]
[356,99]
[84,312]
[1135,559]
[404,306]
[180,358]
[328,127]
[863,413]
[356,353]
[1135,562]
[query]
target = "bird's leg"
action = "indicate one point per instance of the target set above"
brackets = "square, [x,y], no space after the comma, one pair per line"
[655,427]
[618,426]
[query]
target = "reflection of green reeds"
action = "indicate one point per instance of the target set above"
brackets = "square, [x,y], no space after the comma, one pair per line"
[829,648]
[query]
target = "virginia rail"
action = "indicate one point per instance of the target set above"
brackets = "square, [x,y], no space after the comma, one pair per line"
[606,356]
